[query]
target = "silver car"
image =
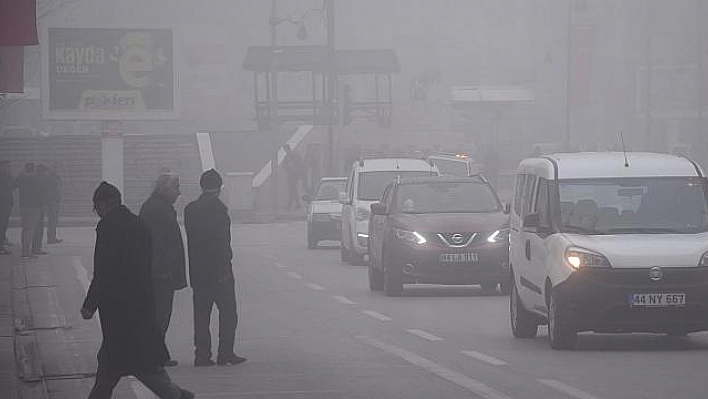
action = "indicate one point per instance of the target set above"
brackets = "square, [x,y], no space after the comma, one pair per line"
[324,213]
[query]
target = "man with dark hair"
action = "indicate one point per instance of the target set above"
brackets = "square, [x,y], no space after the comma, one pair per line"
[30,196]
[208,228]
[168,266]
[6,202]
[121,290]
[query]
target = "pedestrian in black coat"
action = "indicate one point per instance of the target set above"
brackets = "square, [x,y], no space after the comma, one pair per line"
[7,183]
[169,273]
[208,228]
[121,290]
[30,195]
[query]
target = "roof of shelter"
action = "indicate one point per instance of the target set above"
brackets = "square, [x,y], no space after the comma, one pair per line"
[320,59]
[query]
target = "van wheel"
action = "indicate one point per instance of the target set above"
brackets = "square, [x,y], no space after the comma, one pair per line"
[523,323]
[561,327]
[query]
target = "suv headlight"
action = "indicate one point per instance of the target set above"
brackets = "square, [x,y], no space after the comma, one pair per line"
[411,237]
[578,258]
[501,235]
[362,214]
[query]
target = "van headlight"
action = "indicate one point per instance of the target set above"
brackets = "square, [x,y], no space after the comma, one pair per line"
[501,235]
[579,258]
[362,214]
[411,237]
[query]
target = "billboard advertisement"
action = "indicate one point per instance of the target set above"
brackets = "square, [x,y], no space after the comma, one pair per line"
[110,74]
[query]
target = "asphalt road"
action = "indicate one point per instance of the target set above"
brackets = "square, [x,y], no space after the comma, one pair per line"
[311,328]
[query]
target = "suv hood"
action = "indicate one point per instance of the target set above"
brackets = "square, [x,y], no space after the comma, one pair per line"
[646,250]
[452,222]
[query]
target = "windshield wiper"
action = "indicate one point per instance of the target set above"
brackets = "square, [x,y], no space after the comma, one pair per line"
[581,229]
[644,230]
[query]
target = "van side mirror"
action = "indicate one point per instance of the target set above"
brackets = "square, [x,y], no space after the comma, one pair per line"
[531,222]
[378,208]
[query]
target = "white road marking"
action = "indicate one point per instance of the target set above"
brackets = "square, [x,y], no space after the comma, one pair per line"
[316,287]
[81,272]
[424,334]
[295,275]
[343,299]
[280,265]
[272,394]
[567,389]
[484,358]
[376,315]
[461,380]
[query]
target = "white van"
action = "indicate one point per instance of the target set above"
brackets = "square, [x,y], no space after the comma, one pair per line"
[608,242]
[365,184]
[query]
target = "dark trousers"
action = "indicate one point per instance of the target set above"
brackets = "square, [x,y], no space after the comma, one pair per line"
[204,298]
[52,220]
[38,232]
[29,217]
[158,381]
[164,298]
[293,193]
[5,212]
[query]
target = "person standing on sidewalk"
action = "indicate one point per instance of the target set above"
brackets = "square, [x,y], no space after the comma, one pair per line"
[121,290]
[169,273]
[6,202]
[208,227]
[52,198]
[38,237]
[29,189]
[295,169]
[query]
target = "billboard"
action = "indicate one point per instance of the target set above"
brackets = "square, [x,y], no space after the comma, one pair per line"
[109,74]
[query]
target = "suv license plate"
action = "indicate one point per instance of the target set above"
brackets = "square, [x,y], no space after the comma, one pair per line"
[657,299]
[467,257]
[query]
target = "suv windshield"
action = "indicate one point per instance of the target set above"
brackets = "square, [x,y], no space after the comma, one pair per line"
[373,184]
[633,205]
[451,197]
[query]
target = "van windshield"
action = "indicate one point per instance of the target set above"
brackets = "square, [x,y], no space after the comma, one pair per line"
[655,205]
[373,184]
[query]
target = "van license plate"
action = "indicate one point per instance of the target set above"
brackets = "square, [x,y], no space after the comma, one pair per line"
[657,300]
[467,257]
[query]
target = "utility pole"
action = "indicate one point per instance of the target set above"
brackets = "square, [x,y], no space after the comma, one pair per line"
[648,20]
[273,122]
[568,73]
[331,82]
[701,43]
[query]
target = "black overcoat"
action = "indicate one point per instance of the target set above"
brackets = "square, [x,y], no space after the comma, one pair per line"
[208,228]
[168,266]
[122,292]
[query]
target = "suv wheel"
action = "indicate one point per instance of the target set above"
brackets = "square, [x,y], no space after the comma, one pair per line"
[392,279]
[561,328]
[376,278]
[505,287]
[523,323]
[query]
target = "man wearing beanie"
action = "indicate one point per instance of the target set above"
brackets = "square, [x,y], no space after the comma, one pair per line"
[208,227]
[121,290]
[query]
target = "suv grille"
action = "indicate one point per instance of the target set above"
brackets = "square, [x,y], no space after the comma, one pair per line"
[457,240]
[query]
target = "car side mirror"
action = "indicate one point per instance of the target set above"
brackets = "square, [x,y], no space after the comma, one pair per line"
[531,222]
[307,198]
[343,199]
[378,208]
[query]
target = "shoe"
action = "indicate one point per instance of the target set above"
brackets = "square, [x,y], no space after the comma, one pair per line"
[185,394]
[40,252]
[55,241]
[232,359]
[203,362]
[170,363]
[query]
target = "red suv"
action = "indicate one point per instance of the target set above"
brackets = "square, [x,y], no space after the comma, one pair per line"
[439,230]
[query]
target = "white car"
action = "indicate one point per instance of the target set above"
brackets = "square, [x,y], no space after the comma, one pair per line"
[366,182]
[324,213]
[608,242]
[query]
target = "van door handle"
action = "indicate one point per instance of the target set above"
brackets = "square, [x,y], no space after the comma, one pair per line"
[528,249]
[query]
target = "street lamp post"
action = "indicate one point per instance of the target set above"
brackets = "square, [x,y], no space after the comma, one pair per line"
[331,82]
[273,123]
